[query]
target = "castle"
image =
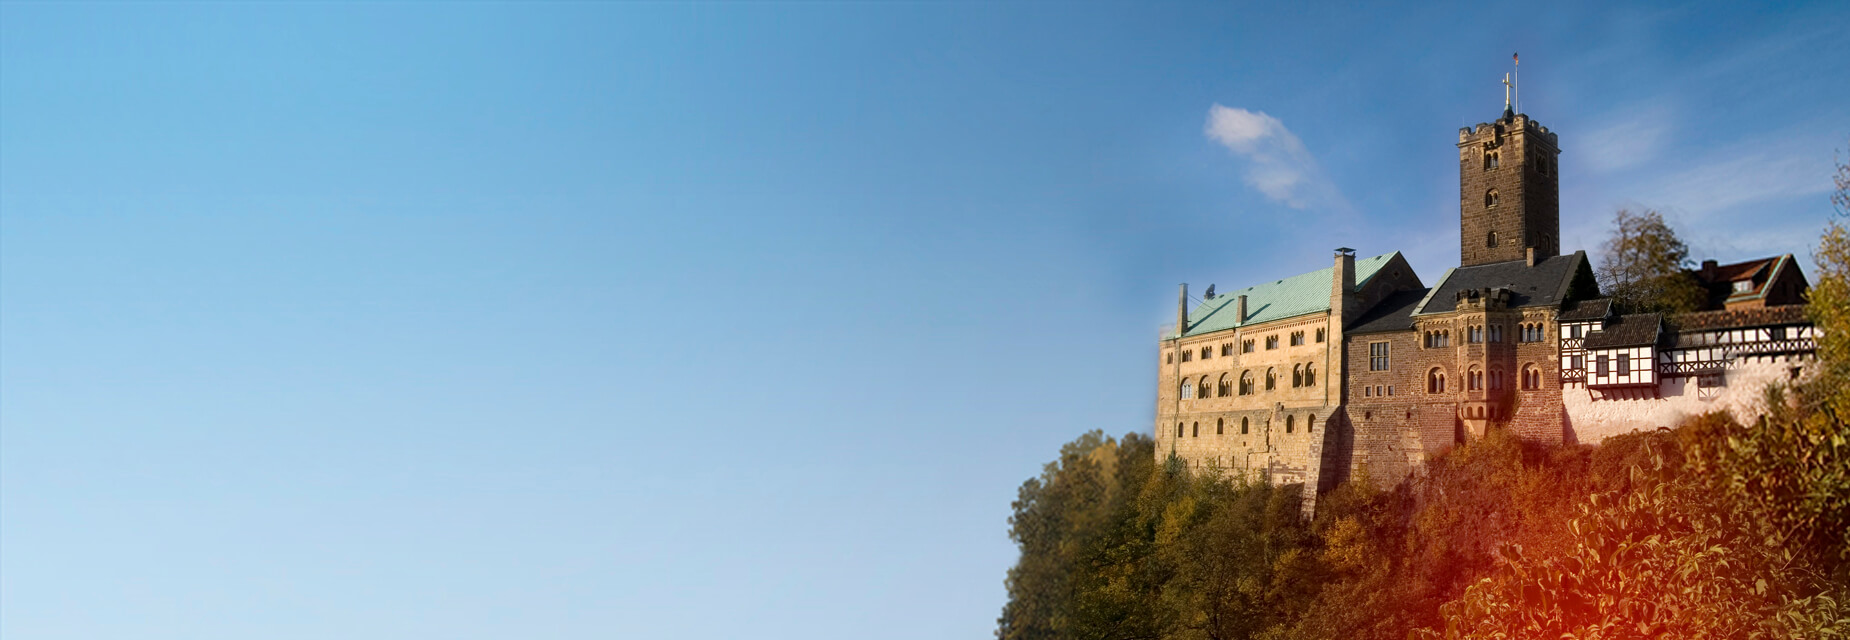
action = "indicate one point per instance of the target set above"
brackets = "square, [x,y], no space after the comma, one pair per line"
[1312,378]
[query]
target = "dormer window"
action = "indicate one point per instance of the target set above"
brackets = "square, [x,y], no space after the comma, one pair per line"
[1743,286]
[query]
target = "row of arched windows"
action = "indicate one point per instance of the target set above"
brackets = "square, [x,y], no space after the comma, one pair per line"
[1220,426]
[1478,379]
[1302,375]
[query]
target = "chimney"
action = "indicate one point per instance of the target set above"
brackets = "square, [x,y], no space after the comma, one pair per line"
[1342,286]
[1239,309]
[1182,311]
[1531,258]
[1709,267]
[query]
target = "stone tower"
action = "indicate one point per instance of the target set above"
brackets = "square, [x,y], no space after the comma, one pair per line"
[1509,195]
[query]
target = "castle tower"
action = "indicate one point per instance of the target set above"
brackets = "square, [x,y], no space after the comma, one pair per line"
[1509,194]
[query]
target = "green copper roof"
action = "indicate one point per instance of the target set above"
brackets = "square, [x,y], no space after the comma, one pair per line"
[1276,300]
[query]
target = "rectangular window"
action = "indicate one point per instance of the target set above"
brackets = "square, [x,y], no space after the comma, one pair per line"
[1625,364]
[1390,389]
[1366,391]
[1377,356]
[1599,366]
[1169,358]
[1577,362]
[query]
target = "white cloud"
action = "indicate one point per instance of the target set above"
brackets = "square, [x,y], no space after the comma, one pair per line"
[1278,165]
[1637,137]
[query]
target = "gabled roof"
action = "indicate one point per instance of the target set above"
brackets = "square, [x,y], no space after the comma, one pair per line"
[1297,295]
[1627,331]
[1393,314]
[1756,274]
[1545,284]
[1586,310]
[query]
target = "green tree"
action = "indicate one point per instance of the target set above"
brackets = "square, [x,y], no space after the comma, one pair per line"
[1829,299]
[1643,268]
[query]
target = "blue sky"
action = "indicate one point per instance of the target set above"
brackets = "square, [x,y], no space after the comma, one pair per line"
[726,320]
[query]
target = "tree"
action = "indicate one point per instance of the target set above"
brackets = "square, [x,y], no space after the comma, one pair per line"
[1829,299]
[1644,266]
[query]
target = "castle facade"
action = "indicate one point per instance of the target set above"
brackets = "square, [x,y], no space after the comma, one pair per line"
[1313,378]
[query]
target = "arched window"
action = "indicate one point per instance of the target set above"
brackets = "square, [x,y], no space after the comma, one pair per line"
[1490,240]
[1197,429]
[1435,381]
[1246,383]
[1310,375]
[1188,389]
[1531,377]
[1297,376]
[1206,391]
[1220,426]
[1310,423]
[1244,425]
[1288,425]
[1474,379]
[1224,387]
[1178,429]
[1271,379]
[1496,379]
[1490,198]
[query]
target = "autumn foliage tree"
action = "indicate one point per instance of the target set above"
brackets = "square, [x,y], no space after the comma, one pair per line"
[1643,268]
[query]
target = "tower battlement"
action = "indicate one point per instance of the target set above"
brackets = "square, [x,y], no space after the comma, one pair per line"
[1509,196]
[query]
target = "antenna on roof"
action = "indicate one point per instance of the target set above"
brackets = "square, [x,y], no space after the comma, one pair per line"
[1516,69]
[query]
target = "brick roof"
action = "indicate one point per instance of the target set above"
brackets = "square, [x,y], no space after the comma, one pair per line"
[1297,295]
[1739,318]
[1627,331]
[1544,284]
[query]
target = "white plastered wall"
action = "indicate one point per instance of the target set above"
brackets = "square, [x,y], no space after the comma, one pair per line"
[1743,395]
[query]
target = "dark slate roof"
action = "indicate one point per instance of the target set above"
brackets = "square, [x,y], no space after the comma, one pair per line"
[1586,310]
[1628,331]
[1395,313]
[1739,318]
[1544,284]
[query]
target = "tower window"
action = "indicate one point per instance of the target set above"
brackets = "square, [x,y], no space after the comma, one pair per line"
[1490,239]
[1491,161]
[1490,198]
